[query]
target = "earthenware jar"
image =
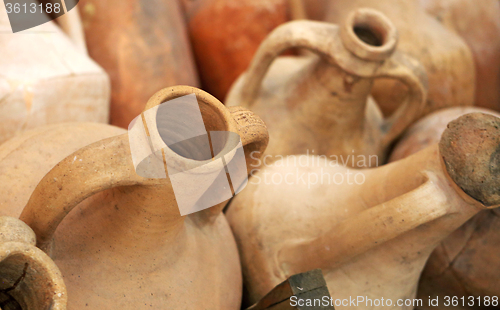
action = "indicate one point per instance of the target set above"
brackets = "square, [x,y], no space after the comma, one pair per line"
[467,263]
[105,226]
[29,279]
[142,45]
[371,230]
[478,24]
[226,34]
[445,56]
[320,104]
[55,84]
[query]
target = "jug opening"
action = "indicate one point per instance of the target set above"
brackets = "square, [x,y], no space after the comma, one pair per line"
[368,36]
[13,291]
[187,126]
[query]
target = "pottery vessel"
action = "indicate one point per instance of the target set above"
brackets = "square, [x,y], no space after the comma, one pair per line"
[55,84]
[29,279]
[226,34]
[142,45]
[467,263]
[124,234]
[320,104]
[446,57]
[478,23]
[372,230]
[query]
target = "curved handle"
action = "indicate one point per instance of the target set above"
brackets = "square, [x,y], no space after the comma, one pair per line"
[314,36]
[92,169]
[71,24]
[365,231]
[411,73]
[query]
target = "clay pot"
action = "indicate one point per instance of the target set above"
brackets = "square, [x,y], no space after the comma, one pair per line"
[306,101]
[445,56]
[478,23]
[55,84]
[29,279]
[226,34]
[125,234]
[467,263]
[372,230]
[142,45]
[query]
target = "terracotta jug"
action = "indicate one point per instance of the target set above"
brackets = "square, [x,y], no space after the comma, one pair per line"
[55,84]
[445,56]
[142,45]
[29,279]
[321,104]
[372,230]
[467,263]
[478,23]
[225,35]
[125,234]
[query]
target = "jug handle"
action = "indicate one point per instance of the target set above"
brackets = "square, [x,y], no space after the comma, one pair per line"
[108,164]
[411,73]
[352,55]
[367,230]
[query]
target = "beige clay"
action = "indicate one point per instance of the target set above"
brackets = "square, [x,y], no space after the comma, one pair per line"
[370,231]
[321,105]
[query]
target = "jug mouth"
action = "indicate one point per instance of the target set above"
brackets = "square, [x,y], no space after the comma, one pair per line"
[188,130]
[29,278]
[369,34]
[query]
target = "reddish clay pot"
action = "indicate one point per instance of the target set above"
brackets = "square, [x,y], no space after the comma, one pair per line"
[225,35]
[446,57]
[143,46]
[466,263]
[478,23]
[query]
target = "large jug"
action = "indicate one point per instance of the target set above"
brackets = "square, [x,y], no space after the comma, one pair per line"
[372,230]
[126,236]
[320,105]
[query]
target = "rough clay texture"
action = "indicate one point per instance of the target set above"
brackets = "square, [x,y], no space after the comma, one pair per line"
[471,150]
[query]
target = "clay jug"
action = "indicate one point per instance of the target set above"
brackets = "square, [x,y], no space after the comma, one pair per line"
[225,35]
[371,230]
[125,234]
[320,104]
[478,23]
[29,279]
[55,84]
[142,45]
[467,263]
[445,56]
